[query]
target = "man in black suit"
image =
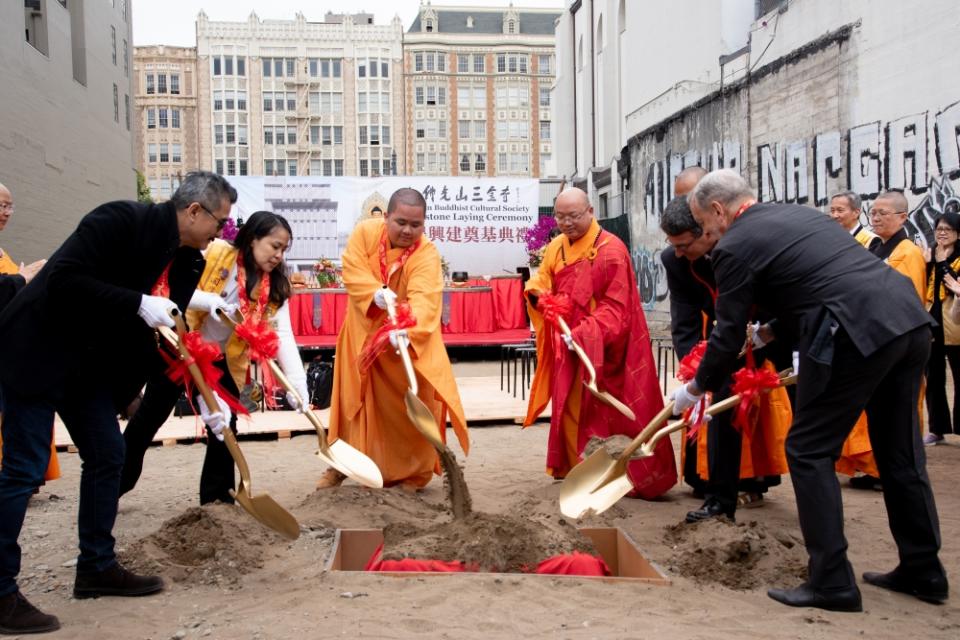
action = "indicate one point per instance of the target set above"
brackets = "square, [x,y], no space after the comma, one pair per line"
[822,287]
[71,342]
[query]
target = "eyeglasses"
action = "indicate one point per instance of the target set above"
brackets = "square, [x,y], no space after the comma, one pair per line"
[945,230]
[561,219]
[6,206]
[221,222]
[880,213]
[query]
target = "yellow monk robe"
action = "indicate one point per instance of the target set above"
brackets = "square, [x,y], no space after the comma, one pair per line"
[9,267]
[857,453]
[367,409]
[762,448]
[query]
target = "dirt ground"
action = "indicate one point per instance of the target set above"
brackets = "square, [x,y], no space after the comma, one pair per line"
[228,577]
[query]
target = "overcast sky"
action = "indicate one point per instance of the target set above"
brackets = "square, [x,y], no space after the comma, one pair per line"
[172,22]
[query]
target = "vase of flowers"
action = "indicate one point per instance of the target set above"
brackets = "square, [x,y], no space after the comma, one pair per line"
[537,238]
[326,274]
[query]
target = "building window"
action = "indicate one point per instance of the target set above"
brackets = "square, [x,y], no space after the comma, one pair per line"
[216,69]
[242,71]
[218,134]
[385,134]
[113,43]
[363,135]
[219,167]
[242,135]
[363,168]
[418,93]
[228,66]
[164,153]
[338,167]
[465,163]
[418,62]
[126,59]
[151,153]
[176,154]
[241,100]
[150,87]
[267,135]
[229,101]
[175,84]
[544,129]
[164,122]
[151,119]
[544,96]
[481,162]
[463,130]
[126,107]
[291,167]
[218,101]
[161,83]
[35,25]
[243,167]
[174,118]
[116,104]
[479,129]
[479,63]
[545,63]
[463,63]
[231,133]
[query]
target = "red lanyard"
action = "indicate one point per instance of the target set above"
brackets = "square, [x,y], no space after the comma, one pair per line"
[256,317]
[387,272]
[162,287]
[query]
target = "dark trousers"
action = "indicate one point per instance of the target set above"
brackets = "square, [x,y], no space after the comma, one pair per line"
[938,410]
[159,399]
[829,399]
[723,460]
[90,416]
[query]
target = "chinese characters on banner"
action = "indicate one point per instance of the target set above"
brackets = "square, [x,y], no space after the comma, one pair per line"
[477,224]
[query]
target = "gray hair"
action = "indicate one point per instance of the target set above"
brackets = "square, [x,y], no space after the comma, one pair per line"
[723,185]
[853,199]
[205,187]
[677,218]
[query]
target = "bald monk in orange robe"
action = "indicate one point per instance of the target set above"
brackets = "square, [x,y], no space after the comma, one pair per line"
[367,408]
[593,268]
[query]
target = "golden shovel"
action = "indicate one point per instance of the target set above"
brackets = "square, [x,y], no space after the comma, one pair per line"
[339,455]
[262,507]
[597,483]
[602,396]
[421,416]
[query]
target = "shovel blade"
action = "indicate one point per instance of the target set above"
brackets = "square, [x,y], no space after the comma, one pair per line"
[575,491]
[268,512]
[423,419]
[352,463]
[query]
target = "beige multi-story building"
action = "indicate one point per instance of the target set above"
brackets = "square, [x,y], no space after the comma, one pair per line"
[292,97]
[165,116]
[65,140]
[477,89]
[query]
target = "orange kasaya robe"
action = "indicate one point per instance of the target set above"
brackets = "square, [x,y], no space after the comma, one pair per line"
[608,322]
[9,267]
[762,448]
[857,453]
[367,408]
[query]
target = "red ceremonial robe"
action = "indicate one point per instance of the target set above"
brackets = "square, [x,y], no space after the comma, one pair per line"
[608,322]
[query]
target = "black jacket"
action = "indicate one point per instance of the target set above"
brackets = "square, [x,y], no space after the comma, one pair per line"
[10,285]
[689,284]
[78,316]
[808,272]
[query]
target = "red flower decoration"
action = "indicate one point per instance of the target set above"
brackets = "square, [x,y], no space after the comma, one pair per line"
[377,344]
[691,362]
[554,306]
[750,383]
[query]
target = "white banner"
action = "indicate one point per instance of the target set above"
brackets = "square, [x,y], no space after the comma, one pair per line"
[478,224]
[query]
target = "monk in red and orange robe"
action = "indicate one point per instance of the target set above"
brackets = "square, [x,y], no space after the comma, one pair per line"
[367,408]
[593,268]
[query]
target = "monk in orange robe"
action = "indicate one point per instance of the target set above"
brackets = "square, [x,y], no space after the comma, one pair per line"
[593,268]
[367,408]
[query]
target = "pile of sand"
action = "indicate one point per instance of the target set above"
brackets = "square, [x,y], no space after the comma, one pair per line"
[215,544]
[499,543]
[740,556]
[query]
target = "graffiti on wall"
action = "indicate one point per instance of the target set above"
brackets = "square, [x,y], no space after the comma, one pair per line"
[651,276]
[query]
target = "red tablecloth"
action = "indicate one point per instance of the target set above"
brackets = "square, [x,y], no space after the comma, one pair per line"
[470,312]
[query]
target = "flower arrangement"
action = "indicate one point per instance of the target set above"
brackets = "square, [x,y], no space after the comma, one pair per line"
[230,230]
[326,274]
[537,239]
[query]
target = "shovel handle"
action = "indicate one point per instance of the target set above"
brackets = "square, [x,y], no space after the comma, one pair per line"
[402,344]
[229,439]
[565,328]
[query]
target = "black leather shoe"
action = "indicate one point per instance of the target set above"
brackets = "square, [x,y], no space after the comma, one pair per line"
[934,591]
[115,581]
[18,616]
[712,508]
[866,482]
[807,596]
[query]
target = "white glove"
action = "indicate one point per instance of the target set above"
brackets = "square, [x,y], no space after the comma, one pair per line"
[209,302]
[796,363]
[383,296]
[758,342]
[683,399]
[568,340]
[395,334]
[218,420]
[294,402]
[155,311]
